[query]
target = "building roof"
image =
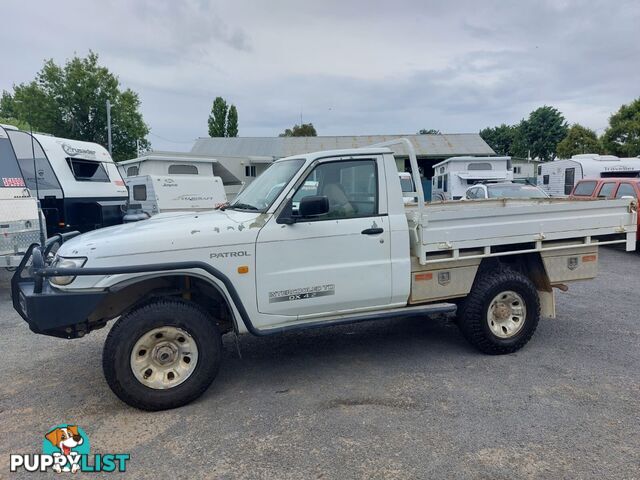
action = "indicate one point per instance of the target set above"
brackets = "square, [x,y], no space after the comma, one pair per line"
[426,146]
[469,158]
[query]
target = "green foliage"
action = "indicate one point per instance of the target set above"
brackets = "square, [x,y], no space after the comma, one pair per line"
[15,122]
[622,138]
[430,131]
[542,131]
[223,120]
[70,101]
[501,139]
[218,118]
[304,130]
[579,140]
[232,122]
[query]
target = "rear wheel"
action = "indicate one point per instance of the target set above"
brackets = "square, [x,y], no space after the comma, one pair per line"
[162,355]
[501,312]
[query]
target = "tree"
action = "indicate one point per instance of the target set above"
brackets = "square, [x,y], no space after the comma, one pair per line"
[70,101]
[579,139]
[218,118]
[501,139]
[542,132]
[223,119]
[623,135]
[431,131]
[303,130]
[232,122]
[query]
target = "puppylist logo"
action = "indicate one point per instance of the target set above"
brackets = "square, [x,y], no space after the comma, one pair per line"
[65,448]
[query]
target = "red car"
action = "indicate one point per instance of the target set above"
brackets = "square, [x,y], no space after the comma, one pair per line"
[608,188]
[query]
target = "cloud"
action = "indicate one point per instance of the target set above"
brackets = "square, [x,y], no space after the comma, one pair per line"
[357,67]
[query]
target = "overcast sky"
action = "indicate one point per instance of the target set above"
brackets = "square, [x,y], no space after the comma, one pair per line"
[350,67]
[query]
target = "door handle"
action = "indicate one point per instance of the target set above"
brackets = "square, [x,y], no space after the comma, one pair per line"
[372,231]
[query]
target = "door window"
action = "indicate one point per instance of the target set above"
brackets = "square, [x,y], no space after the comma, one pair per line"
[606,190]
[585,189]
[625,190]
[350,186]
[569,180]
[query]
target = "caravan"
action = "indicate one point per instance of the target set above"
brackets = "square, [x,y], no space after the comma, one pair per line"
[19,222]
[159,184]
[558,178]
[78,184]
[453,176]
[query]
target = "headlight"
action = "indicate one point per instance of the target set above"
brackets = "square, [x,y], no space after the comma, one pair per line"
[76,262]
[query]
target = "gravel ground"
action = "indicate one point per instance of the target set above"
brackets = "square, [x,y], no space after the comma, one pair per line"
[403,398]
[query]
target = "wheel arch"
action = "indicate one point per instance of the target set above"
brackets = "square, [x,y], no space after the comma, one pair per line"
[133,293]
[532,266]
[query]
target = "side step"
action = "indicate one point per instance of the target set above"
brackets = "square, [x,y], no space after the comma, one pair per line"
[364,317]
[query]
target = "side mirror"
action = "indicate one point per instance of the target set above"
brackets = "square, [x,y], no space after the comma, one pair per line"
[313,206]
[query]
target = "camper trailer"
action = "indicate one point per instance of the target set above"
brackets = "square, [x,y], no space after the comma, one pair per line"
[558,178]
[153,194]
[158,183]
[453,176]
[19,222]
[78,184]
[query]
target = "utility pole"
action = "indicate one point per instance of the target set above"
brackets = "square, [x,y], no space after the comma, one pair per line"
[109,126]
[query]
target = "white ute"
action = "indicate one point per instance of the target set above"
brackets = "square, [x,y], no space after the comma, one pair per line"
[332,244]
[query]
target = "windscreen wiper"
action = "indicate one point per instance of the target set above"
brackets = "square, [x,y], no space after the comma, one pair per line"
[242,206]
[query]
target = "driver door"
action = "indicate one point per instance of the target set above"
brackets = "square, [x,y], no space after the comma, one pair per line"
[340,260]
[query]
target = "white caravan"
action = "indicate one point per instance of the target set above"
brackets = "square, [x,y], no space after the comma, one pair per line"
[558,178]
[453,176]
[158,183]
[19,223]
[79,186]
[153,194]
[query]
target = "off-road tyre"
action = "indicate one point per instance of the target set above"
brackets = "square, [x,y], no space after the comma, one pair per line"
[473,314]
[124,334]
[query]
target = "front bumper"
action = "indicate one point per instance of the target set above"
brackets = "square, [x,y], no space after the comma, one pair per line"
[52,312]
[49,311]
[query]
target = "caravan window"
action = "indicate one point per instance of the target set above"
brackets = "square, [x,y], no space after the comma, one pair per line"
[9,170]
[183,170]
[47,181]
[446,182]
[87,170]
[132,171]
[479,166]
[140,193]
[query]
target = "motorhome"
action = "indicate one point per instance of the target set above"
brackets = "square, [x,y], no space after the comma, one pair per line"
[453,176]
[19,222]
[558,178]
[77,182]
[159,184]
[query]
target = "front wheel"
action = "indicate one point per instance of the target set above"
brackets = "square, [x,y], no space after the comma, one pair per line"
[501,312]
[162,355]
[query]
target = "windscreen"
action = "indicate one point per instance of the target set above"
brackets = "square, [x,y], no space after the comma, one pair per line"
[406,184]
[265,189]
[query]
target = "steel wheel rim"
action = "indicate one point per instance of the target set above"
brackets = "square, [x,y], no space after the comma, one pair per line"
[164,357]
[507,314]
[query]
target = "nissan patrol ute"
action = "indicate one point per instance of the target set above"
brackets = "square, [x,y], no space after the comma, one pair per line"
[316,240]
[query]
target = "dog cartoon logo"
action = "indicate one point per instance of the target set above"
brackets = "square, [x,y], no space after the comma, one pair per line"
[66,443]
